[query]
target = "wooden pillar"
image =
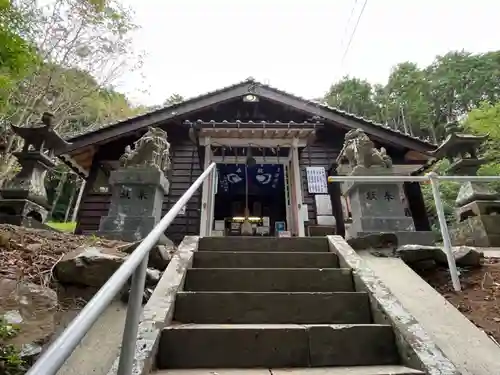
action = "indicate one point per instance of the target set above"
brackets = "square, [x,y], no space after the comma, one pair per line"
[416,204]
[206,199]
[335,192]
[297,188]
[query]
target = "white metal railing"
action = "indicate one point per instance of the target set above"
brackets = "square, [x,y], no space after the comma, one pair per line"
[136,265]
[434,179]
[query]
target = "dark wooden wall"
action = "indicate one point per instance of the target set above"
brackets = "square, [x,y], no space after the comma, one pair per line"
[321,153]
[185,170]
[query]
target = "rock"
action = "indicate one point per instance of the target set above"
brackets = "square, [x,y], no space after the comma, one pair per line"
[31,307]
[30,352]
[152,277]
[417,253]
[424,265]
[93,266]
[374,241]
[146,295]
[160,255]
[465,256]
[89,265]
[34,247]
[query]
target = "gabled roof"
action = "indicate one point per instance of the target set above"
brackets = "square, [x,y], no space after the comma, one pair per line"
[325,112]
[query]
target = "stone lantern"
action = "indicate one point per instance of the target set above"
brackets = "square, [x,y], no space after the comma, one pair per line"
[478,207]
[24,198]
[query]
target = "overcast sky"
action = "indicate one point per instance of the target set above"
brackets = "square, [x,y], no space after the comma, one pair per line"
[195,46]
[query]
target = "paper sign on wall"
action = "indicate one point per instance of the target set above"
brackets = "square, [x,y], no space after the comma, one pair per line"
[316,180]
[323,204]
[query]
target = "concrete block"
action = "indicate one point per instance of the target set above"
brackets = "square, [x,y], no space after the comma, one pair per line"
[291,244]
[218,371]
[351,370]
[270,308]
[233,346]
[257,259]
[269,280]
[347,345]
[417,348]
[276,346]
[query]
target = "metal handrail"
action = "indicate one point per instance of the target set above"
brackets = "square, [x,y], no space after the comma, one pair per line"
[59,351]
[434,179]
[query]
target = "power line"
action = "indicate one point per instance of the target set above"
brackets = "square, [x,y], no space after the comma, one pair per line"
[348,21]
[353,32]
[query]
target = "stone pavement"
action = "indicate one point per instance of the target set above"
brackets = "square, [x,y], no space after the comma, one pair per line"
[100,346]
[357,370]
[470,349]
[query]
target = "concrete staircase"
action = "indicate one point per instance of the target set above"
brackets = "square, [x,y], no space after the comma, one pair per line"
[268,303]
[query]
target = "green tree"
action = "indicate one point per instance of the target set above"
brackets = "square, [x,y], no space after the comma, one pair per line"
[84,46]
[486,120]
[173,99]
[420,101]
[17,54]
[352,95]
[408,93]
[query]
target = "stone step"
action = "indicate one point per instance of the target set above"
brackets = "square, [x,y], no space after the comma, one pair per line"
[276,346]
[271,308]
[351,370]
[291,244]
[259,259]
[269,280]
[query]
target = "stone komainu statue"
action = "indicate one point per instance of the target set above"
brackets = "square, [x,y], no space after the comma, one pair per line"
[151,150]
[359,151]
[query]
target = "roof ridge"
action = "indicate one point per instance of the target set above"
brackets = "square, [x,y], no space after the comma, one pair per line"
[254,82]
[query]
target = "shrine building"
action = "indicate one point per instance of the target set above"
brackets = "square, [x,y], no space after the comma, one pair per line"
[273,151]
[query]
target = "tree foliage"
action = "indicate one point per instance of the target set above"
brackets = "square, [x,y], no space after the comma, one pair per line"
[419,101]
[63,57]
[486,120]
[173,99]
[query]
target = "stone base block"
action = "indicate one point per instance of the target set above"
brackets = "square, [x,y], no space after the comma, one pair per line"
[126,228]
[382,224]
[14,211]
[142,176]
[478,208]
[272,308]
[239,259]
[268,280]
[276,346]
[403,237]
[480,231]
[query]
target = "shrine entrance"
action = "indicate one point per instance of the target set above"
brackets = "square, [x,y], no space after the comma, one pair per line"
[257,180]
[258,193]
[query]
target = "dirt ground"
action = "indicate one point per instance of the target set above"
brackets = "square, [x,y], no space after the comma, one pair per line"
[480,299]
[30,254]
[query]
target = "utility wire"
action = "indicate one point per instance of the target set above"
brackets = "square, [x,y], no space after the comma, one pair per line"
[353,32]
[348,22]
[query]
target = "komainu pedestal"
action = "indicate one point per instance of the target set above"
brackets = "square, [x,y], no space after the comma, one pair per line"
[136,203]
[376,207]
[138,188]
